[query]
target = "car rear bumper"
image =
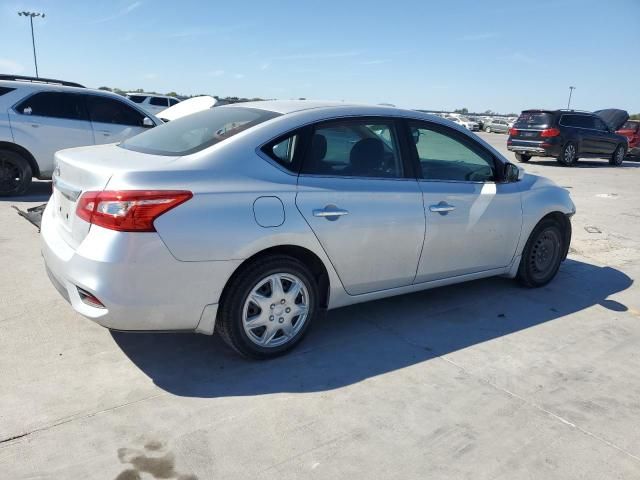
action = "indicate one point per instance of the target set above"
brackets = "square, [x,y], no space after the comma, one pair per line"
[535,147]
[141,285]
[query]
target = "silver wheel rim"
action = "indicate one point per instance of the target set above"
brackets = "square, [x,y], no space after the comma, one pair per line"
[275,310]
[619,155]
[569,153]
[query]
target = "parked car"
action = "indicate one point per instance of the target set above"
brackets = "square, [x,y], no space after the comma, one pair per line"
[569,135]
[463,122]
[496,125]
[189,106]
[631,130]
[250,220]
[40,116]
[152,103]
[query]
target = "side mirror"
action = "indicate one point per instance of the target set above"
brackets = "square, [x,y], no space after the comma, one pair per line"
[415,134]
[513,173]
[148,123]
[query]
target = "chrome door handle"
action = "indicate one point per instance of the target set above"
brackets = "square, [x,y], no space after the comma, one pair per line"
[330,212]
[442,208]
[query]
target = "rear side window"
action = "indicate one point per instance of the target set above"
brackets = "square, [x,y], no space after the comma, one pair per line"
[54,104]
[354,148]
[159,101]
[534,119]
[4,90]
[283,150]
[197,131]
[136,98]
[578,121]
[108,110]
[173,101]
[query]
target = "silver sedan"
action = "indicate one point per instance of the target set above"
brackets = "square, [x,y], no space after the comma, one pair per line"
[251,219]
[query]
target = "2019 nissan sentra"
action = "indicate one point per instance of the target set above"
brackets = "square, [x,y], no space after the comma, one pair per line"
[250,220]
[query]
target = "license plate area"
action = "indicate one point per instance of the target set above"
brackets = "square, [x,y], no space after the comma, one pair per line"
[64,209]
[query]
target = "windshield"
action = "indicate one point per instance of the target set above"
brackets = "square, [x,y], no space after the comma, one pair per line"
[630,126]
[198,131]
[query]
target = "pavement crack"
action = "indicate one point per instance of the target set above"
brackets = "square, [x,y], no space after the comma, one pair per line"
[543,410]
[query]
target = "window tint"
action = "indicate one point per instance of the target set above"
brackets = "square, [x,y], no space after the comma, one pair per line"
[54,104]
[108,110]
[159,101]
[579,121]
[534,119]
[173,101]
[600,125]
[136,98]
[354,149]
[444,156]
[282,151]
[197,131]
[4,90]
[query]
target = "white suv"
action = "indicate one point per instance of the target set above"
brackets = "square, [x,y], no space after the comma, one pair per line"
[38,117]
[152,102]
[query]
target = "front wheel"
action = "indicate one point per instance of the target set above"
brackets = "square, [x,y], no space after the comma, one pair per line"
[569,155]
[268,307]
[487,129]
[522,157]
[618,156]
[542,254]
[15,173]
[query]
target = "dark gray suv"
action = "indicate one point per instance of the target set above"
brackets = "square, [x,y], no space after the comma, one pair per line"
[568,135]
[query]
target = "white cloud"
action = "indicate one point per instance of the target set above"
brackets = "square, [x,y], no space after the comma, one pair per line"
[125,11]
[239,76]
[379,61]
[519,57]
[216,73]
[318,55]
[150,76]
[265,66]
[9,66]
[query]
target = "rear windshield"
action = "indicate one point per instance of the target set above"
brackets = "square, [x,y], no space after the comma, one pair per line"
[197,131]
[136,98]
[534,119]
[630,126]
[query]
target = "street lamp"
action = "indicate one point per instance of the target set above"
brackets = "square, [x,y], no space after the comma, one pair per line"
[33,41]
[571,89]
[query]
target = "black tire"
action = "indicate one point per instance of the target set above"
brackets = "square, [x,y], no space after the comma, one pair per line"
[15,173]
[229,323]
[542,254]
[568,155]
[523,157]
[618,156]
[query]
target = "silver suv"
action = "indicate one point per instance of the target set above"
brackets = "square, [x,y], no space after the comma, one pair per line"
[41,116]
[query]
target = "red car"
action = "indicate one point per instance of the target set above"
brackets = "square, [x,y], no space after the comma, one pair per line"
[631,130]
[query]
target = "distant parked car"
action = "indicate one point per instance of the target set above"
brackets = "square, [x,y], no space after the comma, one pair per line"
[40,116]
[631,130]
[190,106]
[496,125]
[569,135]
[151,102]
[463,122]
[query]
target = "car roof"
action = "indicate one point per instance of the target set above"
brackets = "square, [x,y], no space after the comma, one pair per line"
[290,106]
[53,87]
[145,94]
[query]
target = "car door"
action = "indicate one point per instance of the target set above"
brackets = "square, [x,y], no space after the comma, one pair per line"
[473,221]
[50,121]
[113,120]
[357,195]
[607,143]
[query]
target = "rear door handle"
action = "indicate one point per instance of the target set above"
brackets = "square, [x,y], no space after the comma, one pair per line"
[442,208]
[106,133]
[330,212]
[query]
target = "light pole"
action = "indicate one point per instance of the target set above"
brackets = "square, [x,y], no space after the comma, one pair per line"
[33,40]
[571,89]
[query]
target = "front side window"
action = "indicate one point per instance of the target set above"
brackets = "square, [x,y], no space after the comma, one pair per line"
[445,156]
[197,131]
[109,110]
[173,101]
[354,149]
[54,104]
[159,101]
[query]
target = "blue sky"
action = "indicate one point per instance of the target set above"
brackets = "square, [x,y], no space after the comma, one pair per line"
[498,55]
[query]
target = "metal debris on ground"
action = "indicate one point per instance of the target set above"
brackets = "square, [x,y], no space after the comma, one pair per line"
[33,215]
[590,229]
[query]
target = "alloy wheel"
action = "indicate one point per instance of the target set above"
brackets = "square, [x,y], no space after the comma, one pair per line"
[275,310]
[569,154]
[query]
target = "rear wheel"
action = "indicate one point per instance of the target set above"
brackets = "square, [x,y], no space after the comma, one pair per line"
[542,254]
[523,157]
[268,307]
[569,155]
[487,129]
[618,156]
[15,173]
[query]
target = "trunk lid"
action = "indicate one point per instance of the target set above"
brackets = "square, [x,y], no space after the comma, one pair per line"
[83,169]
[530,123]
[613,117]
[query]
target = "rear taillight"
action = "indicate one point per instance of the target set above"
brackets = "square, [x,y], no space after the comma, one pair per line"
[513,131]
[128,210]
[549,132]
